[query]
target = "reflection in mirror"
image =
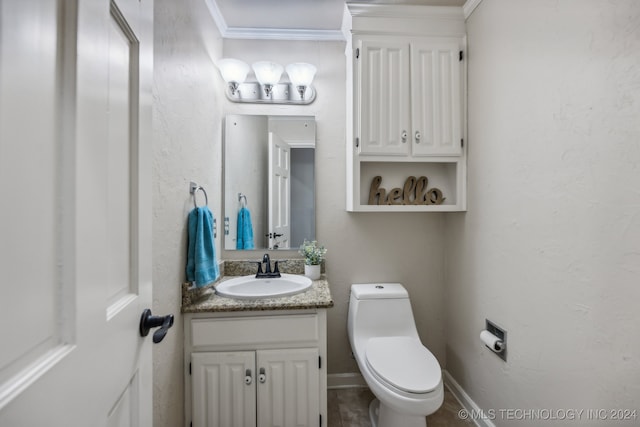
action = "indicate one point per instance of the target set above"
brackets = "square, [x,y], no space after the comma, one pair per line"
[269,181]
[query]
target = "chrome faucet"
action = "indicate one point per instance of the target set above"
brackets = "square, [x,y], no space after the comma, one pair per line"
[267,269]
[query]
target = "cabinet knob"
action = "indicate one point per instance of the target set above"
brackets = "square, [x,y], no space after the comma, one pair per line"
[418,136]
[403,135]
[263,376]
[248,379]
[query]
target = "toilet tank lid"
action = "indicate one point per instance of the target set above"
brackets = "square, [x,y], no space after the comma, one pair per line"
[379,291]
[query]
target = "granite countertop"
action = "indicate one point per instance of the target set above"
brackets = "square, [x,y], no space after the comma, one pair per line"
[318,296]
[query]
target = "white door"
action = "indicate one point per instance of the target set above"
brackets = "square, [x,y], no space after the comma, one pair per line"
[383,107]
[436,98]
[224,389]
[279,193]
[288,393]
[75,128]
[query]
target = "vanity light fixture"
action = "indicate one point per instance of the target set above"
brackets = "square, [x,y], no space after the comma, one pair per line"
[268,89]
[268,74]
[233,71]
[301,75]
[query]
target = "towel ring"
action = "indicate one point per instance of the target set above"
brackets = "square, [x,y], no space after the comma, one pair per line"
[194,188]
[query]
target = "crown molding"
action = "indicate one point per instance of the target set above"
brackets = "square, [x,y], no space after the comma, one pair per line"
[406,19]
[214,10]
[469,6]
[282,34]
[380,10]
[268,33]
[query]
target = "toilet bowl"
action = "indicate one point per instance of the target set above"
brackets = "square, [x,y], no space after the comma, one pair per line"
[401,372]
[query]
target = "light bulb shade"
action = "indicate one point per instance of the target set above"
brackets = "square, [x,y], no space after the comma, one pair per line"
[301,73]
[267,73]
[233,70]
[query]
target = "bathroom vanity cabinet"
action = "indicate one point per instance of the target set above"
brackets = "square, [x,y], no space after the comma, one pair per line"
[407,105]
[256,368]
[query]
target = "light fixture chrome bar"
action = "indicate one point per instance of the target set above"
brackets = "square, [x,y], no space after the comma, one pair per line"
[281,93]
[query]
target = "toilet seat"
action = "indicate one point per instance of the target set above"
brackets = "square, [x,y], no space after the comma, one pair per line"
[403,363]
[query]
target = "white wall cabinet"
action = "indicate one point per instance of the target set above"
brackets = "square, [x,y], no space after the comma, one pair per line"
[407,104]
[261,370]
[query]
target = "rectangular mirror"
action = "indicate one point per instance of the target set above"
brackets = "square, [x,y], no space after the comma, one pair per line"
[269,181]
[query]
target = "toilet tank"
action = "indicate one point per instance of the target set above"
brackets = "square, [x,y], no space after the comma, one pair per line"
[380,310]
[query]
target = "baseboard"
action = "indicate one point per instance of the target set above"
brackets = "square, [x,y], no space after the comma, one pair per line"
[473,410]
[348,380]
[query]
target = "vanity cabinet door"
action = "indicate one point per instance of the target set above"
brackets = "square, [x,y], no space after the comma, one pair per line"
[288,394]
[223,389]
[382,110]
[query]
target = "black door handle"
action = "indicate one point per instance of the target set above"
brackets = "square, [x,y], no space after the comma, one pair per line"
[148,321]
[273,235]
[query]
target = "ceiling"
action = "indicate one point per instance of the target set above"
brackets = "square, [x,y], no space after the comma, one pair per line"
[314,15]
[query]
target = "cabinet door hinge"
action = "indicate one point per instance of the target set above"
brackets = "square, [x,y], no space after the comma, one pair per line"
[319,362]
[357,53]
[461,56]
[357,142]
[320,420]
[189,368]
[462,142]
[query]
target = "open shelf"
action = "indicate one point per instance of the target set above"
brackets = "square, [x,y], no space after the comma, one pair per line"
[445,176]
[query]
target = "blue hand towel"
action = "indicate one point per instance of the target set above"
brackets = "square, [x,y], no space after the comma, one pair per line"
[202,265]
[244,238]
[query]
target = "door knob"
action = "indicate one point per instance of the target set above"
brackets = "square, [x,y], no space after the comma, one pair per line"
[403,135]
[148,321]
[418,137]
[263,376]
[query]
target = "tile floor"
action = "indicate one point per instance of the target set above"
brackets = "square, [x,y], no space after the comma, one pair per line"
[349,407]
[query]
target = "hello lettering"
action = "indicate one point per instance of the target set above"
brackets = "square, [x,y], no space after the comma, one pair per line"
[414,192]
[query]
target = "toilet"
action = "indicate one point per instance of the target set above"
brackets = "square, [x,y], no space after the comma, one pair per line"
[402,373]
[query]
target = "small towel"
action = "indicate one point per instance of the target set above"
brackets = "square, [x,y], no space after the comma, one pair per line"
[202,265]
[244,238]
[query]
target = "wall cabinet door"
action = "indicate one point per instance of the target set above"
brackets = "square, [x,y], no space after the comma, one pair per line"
[436,103]
[382,109]
[288,394]
[410,97]
[222,396]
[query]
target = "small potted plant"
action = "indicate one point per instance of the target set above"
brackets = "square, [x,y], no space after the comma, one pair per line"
[313,255]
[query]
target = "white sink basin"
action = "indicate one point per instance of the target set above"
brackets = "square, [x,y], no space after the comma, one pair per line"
[248,287]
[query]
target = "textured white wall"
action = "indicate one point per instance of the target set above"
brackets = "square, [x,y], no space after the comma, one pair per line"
[550,245]
[187,147]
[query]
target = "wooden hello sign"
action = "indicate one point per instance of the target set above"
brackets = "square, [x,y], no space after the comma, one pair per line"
[414,192]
